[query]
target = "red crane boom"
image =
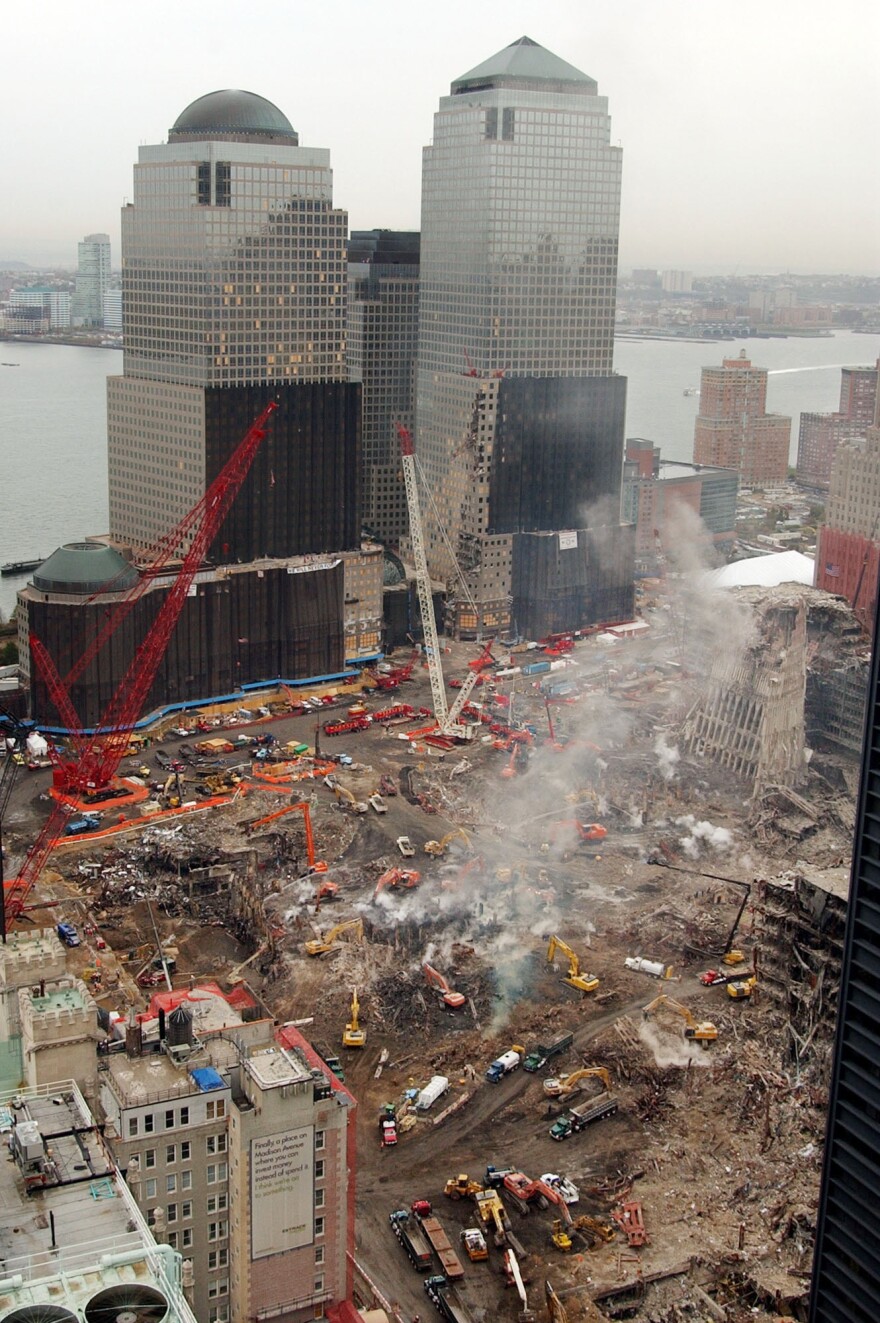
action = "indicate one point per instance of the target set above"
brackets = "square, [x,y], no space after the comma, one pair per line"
[103,752]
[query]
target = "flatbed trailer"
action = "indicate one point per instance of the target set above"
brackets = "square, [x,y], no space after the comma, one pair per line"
[445,1301]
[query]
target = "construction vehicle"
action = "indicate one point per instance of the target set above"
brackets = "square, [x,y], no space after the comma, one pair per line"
[67,934]
[344,796]
[474,1244]
[387,786]
[438,848]
[703,1032]
[492,1212]
[453,1000]
[319,945]
[733,958]
[556,1311]
[433,1229]
[515,1278]
[523,1191]
[397,878]
[574,978]
[353,1035]
[377,804]
[388,1130]
[503,1065]
[595,1229]
[563,1085]
[406,847]
[741,989]
[315,865]
[412,1238]
[570,832]
[447,718]
[578,1118]
[326,891]
[445,1301]
[560,1237]
[568,1189]
[540,1055]
[461,1187]
[97,756]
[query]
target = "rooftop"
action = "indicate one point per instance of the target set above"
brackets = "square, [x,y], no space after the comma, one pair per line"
[272,1067]
[233,115]
[526,66]
[83,1235]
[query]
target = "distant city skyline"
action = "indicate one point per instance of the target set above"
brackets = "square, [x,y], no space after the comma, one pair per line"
[747,134]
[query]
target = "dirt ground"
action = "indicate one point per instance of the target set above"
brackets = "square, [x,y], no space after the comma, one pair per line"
[721,1147]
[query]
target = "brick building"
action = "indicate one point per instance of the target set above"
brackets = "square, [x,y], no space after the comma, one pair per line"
[820,434]
[733,429]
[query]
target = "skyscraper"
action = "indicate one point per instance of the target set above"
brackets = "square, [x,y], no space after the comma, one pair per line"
[519,415]
[92,279]
[733,429]
[234,293]
[383,328]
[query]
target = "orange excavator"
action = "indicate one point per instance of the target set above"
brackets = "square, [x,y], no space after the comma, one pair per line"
[524,1191]
[315,865]
[434,979]
[397,878]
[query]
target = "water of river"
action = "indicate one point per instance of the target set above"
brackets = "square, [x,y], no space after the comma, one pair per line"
[53,421]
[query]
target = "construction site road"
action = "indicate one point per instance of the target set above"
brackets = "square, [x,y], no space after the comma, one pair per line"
[431,1158]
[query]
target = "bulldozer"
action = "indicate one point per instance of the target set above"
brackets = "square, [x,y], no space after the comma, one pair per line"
[560,1237]
[703,1032]
[742,989]
[574,978]
[319,945]
[462,1187]
[353,1035]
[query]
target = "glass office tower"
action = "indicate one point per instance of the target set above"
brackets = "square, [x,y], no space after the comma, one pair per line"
[520,215]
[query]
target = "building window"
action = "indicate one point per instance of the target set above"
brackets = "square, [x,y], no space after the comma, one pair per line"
[150,1189]
[215,1144]
[218,1314]
[319,1198]
[218,1258]
[184,1116]
[217,1230]
[186,1209]
[203,184]
[186,1180]
[186,1238]
[320,1137]
[150,1157]
[217,1203]
[319,1254]
[222,184]
[186,1146]
[319,1282]
[319,1169]
[220,1287]
[171,1213]
[319,1227]
[216,1109]
[149,1123]
[170,1154]
[216,1171]
[132,1126]
[170,1184]
[172,1239]
[169,1119]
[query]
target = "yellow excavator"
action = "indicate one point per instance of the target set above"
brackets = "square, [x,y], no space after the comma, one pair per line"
[574,978]
[566,1084]
[319,945]
[438,848]
[703,1032]
[354,1035]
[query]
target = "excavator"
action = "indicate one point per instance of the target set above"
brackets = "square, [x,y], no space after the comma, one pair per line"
[315,865]
[703,1032]
[569,832]
[567,1084]
[397,878]
[454,1000]
[523,1191]
[574,978]
[344,796]
[438,848]
[353,1035]
[319,945]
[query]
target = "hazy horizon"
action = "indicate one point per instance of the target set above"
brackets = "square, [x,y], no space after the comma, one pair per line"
[747,134]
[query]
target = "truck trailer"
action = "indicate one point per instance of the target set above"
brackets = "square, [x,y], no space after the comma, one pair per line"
[412,1238]
[540,1055]
[433,1229]
[580,1117]
[445,1301]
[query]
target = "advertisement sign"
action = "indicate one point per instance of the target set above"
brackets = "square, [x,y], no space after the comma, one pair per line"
[282,1192]
[568,541]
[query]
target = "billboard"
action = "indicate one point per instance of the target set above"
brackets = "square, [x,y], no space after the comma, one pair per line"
[282,1192]
[568,541]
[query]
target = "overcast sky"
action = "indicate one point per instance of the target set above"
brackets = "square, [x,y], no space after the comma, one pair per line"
[749,129]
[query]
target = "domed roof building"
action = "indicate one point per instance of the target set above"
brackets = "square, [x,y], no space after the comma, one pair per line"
[233,116]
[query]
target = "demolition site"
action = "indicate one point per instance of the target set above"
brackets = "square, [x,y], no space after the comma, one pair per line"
[574,950]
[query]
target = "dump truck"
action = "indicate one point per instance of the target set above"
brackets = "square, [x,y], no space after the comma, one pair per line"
[433,1229]
[445,1301]
[412,1238]
[578,1118]
[540,1055]
[503,1065]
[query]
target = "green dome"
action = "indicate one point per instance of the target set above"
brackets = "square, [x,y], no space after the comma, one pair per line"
[235,116]
[85,568]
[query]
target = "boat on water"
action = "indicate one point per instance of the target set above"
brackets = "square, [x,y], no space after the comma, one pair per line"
[691,390]
[20,566]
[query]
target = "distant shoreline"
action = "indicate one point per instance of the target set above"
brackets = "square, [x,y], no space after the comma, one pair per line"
[77,341]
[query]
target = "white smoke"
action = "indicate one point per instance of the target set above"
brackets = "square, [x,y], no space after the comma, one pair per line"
[703,836]
[667,756]
[669,1050]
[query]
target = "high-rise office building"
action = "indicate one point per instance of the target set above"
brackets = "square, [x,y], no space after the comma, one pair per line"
[383,328]
[92,279]
[733,429]
[234,293]
[820,434]
[519,415]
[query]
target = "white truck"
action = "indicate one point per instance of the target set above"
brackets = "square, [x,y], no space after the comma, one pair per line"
[504,1064]
[434,1089]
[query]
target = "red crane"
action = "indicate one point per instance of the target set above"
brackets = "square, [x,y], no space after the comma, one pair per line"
[101,753]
